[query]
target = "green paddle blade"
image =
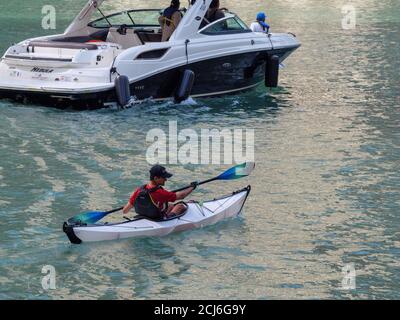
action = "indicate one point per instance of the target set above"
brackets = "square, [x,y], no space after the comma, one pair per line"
[237,172]
[87,217]
[90,217]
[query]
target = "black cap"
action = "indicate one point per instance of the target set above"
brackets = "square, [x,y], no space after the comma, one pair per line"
[159,171]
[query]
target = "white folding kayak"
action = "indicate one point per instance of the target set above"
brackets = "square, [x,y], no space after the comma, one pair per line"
[198,215]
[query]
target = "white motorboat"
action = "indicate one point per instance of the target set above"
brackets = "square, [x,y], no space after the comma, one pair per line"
[104,61]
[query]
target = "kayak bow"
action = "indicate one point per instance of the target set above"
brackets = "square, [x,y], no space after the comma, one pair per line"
[197,215]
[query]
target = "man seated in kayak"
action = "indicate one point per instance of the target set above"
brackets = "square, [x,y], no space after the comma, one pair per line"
[153,201]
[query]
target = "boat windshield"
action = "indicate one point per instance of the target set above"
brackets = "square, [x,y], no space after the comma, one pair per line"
[231,24]
[130,18]
[128,12]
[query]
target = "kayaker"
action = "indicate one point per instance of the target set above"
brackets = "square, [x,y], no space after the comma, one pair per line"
[260,25]
[153,201]
[170,19]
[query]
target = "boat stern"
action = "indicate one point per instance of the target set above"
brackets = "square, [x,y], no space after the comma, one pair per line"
[49,70]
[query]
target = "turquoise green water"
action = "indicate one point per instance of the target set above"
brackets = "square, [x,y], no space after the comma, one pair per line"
[325,191]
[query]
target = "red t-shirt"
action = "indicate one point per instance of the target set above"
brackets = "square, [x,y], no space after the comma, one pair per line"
[161,197]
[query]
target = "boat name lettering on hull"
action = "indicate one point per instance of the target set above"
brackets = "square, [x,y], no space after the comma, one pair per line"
[42,70]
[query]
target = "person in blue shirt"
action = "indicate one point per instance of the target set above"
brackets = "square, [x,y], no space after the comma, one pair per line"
[260,25]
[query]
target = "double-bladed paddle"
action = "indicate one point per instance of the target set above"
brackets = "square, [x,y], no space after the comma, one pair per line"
[236,172]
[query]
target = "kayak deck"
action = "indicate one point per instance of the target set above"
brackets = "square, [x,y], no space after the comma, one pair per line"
[196,216]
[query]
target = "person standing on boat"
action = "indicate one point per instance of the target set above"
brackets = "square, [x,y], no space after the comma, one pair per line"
[153,201]
[260,25]
[214,13]
[170,19]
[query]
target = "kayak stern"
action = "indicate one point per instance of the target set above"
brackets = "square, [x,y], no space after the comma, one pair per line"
[69,231]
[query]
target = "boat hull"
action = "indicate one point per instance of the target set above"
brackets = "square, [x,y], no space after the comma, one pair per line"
[197,215]
[213,77]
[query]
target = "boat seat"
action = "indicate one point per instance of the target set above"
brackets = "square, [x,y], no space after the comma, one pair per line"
[139,217]
[127,40]
[149,36]
[98,35]
[63,45]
